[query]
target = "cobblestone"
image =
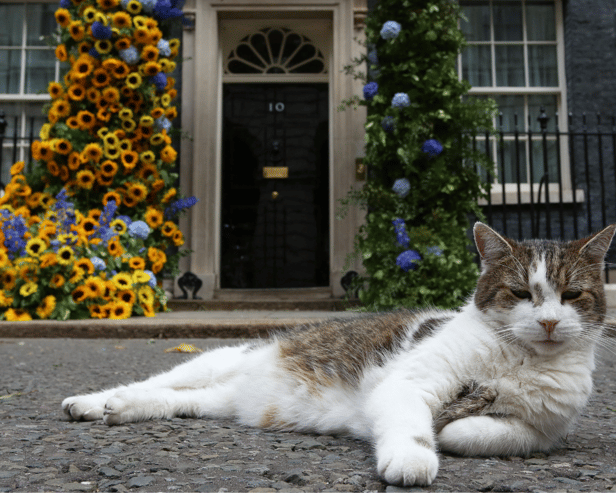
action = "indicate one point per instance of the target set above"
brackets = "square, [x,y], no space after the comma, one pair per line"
[42,451]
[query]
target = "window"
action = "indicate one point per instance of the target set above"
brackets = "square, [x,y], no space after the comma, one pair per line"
[515,55]
[27,65]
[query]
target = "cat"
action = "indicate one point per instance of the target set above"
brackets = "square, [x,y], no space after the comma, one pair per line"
[507,374]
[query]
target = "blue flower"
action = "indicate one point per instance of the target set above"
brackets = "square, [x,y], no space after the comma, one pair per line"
[159,80]
[402,187]
[163,123]
[372,57]
[94,53]
[432,147]
[407,260]
[148,6]
[370,90]
[401,235]
[139,229]
[101,31]
[390,30]
[130,55]
[164,9]
[163,47]
[152,281]
[98,263]
[434,250]
[65,4]
[126,220]
[389,124]
[401,100]
[176,207]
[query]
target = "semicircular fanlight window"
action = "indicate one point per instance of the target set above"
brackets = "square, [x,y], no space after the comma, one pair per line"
[275,50]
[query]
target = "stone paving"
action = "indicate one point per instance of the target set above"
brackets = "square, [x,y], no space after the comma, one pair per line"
[41,451]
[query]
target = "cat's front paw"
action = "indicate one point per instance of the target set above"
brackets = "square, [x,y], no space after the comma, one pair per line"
[83,407]
[407,464]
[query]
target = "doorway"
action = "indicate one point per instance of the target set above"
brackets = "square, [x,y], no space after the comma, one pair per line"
[275,186]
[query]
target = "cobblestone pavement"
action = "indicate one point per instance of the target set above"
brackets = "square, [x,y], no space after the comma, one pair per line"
[41,451]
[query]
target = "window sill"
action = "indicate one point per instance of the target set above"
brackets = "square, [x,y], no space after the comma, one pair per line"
[511,196]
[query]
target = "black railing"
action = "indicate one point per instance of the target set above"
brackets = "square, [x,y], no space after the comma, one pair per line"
[11,145]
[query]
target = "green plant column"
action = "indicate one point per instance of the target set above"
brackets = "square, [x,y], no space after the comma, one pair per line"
[424,179]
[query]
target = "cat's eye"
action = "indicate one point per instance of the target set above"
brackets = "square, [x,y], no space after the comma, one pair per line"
[523,295]
[571,295]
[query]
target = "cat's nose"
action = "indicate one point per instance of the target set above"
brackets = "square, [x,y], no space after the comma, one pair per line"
[548,325]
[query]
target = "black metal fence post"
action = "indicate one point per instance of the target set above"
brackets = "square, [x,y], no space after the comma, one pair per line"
[2,132]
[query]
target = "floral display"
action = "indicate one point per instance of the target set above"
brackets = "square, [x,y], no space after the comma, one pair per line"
[88,232]
[425,177]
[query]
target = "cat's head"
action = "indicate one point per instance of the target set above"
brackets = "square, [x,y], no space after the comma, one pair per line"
[545,295]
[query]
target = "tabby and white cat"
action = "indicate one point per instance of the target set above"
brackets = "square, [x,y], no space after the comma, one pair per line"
[505,375]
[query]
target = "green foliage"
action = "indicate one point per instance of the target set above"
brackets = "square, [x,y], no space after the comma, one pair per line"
[421,62]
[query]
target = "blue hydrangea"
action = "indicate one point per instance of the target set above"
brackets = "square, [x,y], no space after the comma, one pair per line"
[98,263]
[390,30]
[14,229]
[402,187]
[401,100]
[389,124]
[432,147]
[148,6]
[65,4]
[139,229]
[434,250]
[370,90]
[159,80]
[165,9]
[408,260]
[163,123]
[176,207]
[101,31]
[106,233]
[163,47]
[372,57]
[152,281]
[130,55]
[401,235]
[93,52]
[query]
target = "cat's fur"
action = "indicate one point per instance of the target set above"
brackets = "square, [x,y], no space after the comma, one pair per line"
[505,375]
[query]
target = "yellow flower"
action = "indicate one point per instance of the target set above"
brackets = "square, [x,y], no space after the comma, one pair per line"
[137,191]
[122,280]
[103,46]
[126,296]
[17,315]
[121,20]
[154,217]
[124,114]
[85,179]
[118,225]
[95,286]
[65,255]
[8,278]
[55,90]
[136,263]
[120,310]
[89,14]
[4,259]
[168,154]
[92,152]
[48,260]
[147,157]
[146,295]
[76,30]
[134,80]
[28,288]
[79,294]
[47,307]
[178,238]
[148,310]
[57,281]
[140,277]
[63,17]
[35,247]
[97,311]
[5,300]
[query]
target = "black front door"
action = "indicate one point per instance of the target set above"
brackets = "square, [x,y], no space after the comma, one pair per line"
[275,187]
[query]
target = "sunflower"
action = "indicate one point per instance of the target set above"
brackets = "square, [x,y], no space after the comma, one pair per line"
[118,225]
[147,157]
[33,202]
[72,122]
[112,152]
[178,238]
[61,107]
[100,78]
[115,196]
[165,101]
[122,280]
[121,20]
[158,184]
[96,311]
[17,315]
[61,53]
[76,275]
[63,17]
[48,259]
[65,255]
[85,179]
[168,154]
[168,228]
[79,294]
[74,161]
[115,248]
[140,277]
[129,160]
[46,307]
[137,191]
[57,281]
[107,4]
[126,296]
[111,94]
[148,171]
[95,286]
[86,120]
[89,14]
[157,112]
[92,152]
[4,258]
[83,66]
[64,173]
[134,80]
[154,217]
[35,247]
[8,278]
[146,295]
[109,168]
[136,263]
[103,46]
[120,310]
[121,70]
[84,48]
[28,288]
[122,44]
[170,194]
[55,90]
[77,92]
[63,146]
[124,114]
[128,125]
[5,300]
[148,310]
[77,30]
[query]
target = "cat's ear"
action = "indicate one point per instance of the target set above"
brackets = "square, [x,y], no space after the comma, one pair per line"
[595,247]
[491,246]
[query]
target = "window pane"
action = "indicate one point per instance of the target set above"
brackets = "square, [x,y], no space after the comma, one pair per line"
[549,103]
[10,67]
[542,66]
[477,65]
[511,107]
[41,22]
[508,21]
[540,22]
[542,156]
[40,70]
[509,65]
[477,28]
[510,162]
[11,32]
